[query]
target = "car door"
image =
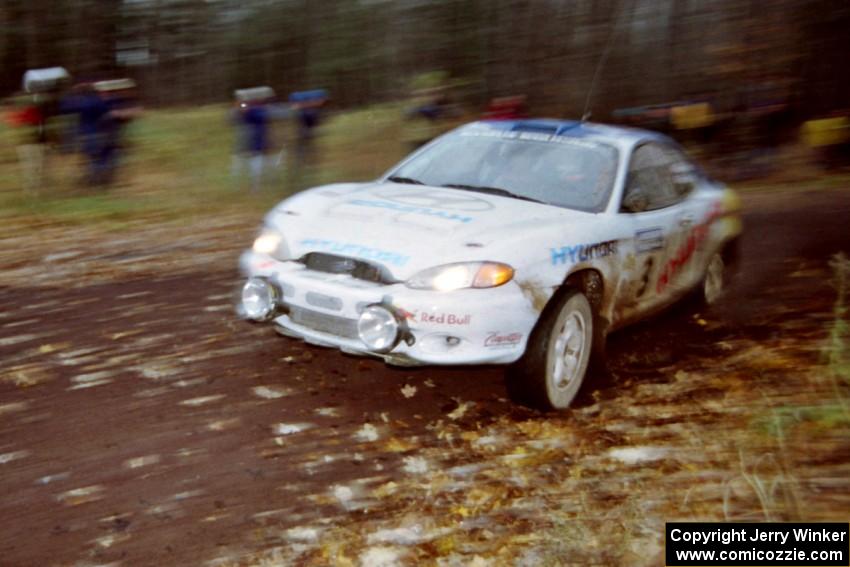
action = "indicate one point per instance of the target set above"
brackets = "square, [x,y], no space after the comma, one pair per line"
[686,256]
[659,223]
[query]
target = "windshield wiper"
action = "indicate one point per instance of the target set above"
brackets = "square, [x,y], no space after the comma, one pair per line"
[409,180]
[491,190]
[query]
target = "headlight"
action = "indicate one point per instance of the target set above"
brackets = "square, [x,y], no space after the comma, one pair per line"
[267,242]
[260,299]
[378,328]
[462,275]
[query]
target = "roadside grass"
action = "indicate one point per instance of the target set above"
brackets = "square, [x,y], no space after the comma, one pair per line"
[178,166]
[834,411]
[776,485]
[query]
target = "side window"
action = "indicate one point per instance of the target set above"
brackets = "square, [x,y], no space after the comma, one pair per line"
[651,182]
[683,173]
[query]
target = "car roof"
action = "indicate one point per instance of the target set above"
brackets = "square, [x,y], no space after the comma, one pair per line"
[620,136]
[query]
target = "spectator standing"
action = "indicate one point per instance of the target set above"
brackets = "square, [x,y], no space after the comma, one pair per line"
[308,106]
[91,110]
[256,120]
[34,118]
[252,116]
[121,109]
[26,117]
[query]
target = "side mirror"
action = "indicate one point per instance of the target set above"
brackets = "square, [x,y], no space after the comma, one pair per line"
[635,200]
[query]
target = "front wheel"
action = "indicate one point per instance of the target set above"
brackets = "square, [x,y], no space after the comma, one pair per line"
[553,368]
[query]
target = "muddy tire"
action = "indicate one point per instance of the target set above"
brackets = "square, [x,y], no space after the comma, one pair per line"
[555,363]
[714,282]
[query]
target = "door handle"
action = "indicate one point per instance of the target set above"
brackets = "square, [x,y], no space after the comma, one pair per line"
[686,221]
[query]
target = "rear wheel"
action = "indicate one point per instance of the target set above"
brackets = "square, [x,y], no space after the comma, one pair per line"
[553,368]
[714,282]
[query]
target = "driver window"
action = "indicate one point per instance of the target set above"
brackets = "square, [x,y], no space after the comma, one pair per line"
[649,185]
[683,174]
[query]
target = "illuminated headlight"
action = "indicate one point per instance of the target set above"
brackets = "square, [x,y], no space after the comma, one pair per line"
[267,242]
[260,299]
[462,275]
[378,328]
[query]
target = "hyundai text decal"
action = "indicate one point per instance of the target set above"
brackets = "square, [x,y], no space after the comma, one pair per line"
[583,252]
[349,249]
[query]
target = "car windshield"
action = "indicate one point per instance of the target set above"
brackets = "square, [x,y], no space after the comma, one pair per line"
[561,171]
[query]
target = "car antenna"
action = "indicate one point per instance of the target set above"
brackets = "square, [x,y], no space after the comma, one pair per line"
[602,59]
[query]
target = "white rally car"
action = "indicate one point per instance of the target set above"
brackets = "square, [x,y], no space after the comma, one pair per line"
[507,242]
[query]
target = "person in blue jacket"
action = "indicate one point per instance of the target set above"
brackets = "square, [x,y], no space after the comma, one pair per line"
[255,117]
[91,109]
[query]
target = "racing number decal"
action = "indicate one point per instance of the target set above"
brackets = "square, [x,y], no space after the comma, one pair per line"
[648,241]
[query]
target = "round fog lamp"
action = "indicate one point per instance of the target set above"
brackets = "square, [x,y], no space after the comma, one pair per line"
[378,328]
[259,299]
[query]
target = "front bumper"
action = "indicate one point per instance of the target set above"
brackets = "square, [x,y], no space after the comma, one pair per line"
[469,326]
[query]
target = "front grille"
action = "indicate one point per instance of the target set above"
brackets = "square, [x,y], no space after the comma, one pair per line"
[324,323]
[333,264]
[325,301]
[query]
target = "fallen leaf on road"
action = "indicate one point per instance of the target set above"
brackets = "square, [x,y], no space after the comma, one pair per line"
[308,535]
[9,341]
[415,465]
[82,495]
[141,461]
[48,348]
[633,455]
[195,402]
[381,557]
[270,393]
[27,376]
[387,489]
[408,391]
[13,456]
[395,445]
[110,540]
[12,407]
[122,334]
[290,428]
[367,433]
[460,410]
[223,424]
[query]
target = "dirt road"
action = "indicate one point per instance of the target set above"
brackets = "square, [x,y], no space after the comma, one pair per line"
[142,424]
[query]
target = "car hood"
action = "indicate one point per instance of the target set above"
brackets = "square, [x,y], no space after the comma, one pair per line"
[407,228]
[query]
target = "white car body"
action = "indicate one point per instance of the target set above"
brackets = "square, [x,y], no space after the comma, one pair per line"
[639,262]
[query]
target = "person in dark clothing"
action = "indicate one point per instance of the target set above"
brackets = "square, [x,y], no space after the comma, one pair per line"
[308,105]
[256,120]
[122,109]
[91,109]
